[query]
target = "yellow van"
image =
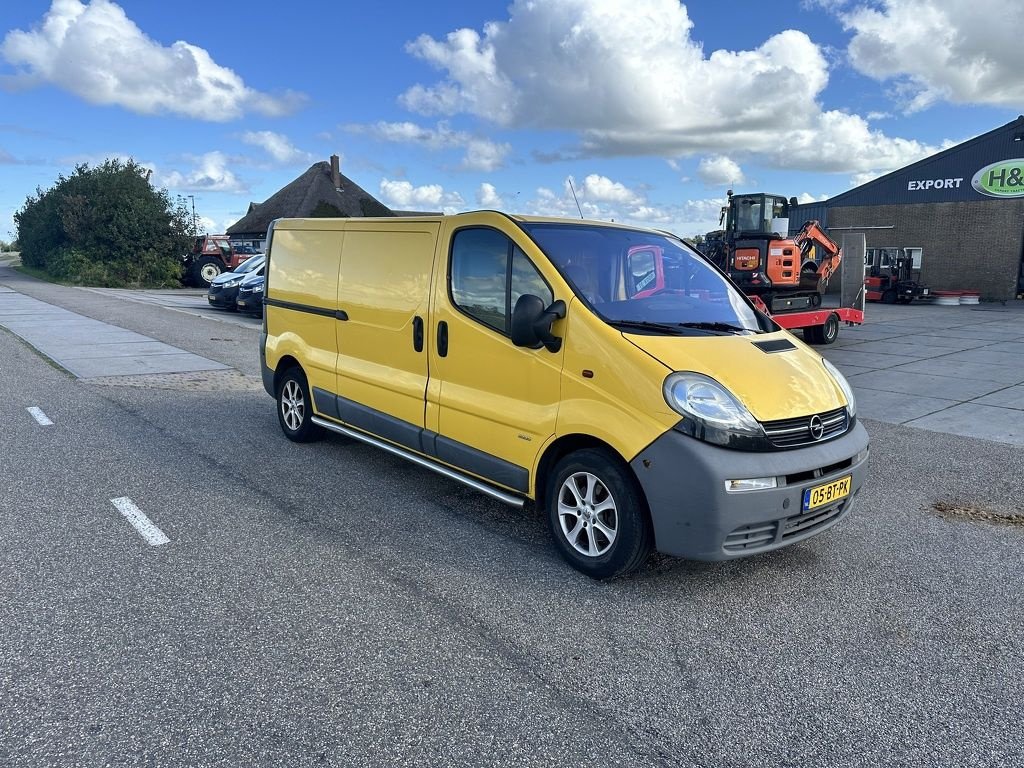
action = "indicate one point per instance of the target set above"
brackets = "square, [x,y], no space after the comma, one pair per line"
[608,373]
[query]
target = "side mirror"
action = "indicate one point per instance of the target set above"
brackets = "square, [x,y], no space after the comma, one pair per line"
[531,323]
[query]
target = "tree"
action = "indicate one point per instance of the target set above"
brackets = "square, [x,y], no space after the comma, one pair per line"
[105,226]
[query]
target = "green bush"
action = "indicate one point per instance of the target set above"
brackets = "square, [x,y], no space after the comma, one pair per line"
[104,226]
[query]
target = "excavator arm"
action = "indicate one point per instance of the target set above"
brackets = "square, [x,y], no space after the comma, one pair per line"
[817,246]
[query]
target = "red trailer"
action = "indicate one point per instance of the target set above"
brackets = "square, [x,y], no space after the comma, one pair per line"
[819,326]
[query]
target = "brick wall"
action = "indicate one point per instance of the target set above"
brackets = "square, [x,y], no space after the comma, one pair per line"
[975,245]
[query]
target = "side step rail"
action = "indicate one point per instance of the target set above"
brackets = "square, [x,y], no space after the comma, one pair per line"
[494,493]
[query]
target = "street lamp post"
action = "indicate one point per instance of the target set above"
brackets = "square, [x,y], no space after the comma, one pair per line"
[193,199]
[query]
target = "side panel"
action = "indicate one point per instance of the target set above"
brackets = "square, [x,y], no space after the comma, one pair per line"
[304,273]
[385,291]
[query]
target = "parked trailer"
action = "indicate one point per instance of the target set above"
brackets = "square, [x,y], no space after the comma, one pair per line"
[819,326]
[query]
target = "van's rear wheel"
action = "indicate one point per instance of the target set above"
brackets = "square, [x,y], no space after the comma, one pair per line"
[598,515]
[295,408]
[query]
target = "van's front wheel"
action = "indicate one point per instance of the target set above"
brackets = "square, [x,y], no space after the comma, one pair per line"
[295,407]
[598,515]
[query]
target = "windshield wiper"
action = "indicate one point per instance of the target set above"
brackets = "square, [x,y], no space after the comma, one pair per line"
[644,325]
[728,327]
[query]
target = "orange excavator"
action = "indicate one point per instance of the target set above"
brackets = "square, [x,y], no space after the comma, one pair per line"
[785,272]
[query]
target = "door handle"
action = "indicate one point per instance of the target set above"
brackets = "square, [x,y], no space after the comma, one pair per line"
[442,339]
[417,333]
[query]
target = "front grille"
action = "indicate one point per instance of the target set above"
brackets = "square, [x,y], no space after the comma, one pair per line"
[215,289]
[777,532]
[792,433]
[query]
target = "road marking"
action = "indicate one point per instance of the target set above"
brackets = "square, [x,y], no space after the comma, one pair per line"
[138,519]
[38,415]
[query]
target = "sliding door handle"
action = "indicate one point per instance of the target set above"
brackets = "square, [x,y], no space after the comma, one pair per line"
[417,333]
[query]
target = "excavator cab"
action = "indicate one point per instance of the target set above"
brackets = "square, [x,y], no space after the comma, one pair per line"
[757,214]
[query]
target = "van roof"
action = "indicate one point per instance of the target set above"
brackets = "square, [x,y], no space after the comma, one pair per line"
[330,223]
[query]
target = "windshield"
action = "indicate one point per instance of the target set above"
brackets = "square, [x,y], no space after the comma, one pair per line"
[254,262]
[644,282]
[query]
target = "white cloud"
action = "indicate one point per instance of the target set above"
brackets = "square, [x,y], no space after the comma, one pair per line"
[404,196]
[629,79]
[487,197]
[210,174]
[863,178]
[961,51]
[605,200]
[806,197]
[602,189]
[481,154]
[208,225]
[278,146]
[97,53]
[718,170]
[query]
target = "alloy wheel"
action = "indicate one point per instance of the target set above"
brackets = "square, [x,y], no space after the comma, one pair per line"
[293,405]
[587,514]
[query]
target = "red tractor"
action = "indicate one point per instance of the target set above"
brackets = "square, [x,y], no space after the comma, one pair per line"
[211,255]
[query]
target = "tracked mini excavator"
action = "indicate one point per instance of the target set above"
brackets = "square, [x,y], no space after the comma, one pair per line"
[754,248]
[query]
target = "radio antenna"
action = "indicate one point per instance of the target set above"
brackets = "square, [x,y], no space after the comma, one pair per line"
[573,190]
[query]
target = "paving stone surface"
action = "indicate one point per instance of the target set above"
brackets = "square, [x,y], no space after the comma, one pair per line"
[90,348]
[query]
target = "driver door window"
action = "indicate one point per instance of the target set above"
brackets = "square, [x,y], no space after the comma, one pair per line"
[488,275]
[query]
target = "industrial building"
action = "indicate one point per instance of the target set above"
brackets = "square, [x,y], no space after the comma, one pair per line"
[959,213]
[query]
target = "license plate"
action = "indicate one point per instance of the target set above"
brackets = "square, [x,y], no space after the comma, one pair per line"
[822,495]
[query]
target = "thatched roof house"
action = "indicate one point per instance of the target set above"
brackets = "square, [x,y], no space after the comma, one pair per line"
[320,191]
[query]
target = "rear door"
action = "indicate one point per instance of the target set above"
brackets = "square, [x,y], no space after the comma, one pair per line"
[492,404]
[383,299]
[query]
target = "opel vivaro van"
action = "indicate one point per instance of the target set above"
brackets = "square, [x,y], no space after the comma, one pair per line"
[608,373]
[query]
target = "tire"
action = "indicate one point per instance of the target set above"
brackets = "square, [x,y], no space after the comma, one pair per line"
[815,300]
[826,333]
[295,408]
[813,334]
[830,330]
[889,297]
[205,270]
[598,515]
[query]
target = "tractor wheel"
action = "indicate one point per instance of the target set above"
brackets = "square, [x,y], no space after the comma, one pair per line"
[205,270]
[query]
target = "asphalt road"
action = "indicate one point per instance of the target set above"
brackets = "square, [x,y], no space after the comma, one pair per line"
[327,604]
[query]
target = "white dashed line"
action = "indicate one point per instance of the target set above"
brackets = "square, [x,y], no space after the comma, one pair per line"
[138,519]
[38,415]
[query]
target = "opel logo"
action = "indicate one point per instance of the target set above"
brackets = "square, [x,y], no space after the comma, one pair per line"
[816,427]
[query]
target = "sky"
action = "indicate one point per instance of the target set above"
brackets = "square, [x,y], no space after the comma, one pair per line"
[646,110]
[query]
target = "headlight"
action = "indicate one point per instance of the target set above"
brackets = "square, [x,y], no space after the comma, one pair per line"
[711,412]
[232,283]
[851,401]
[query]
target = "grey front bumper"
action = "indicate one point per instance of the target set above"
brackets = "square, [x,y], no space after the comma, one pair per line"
[696,518]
